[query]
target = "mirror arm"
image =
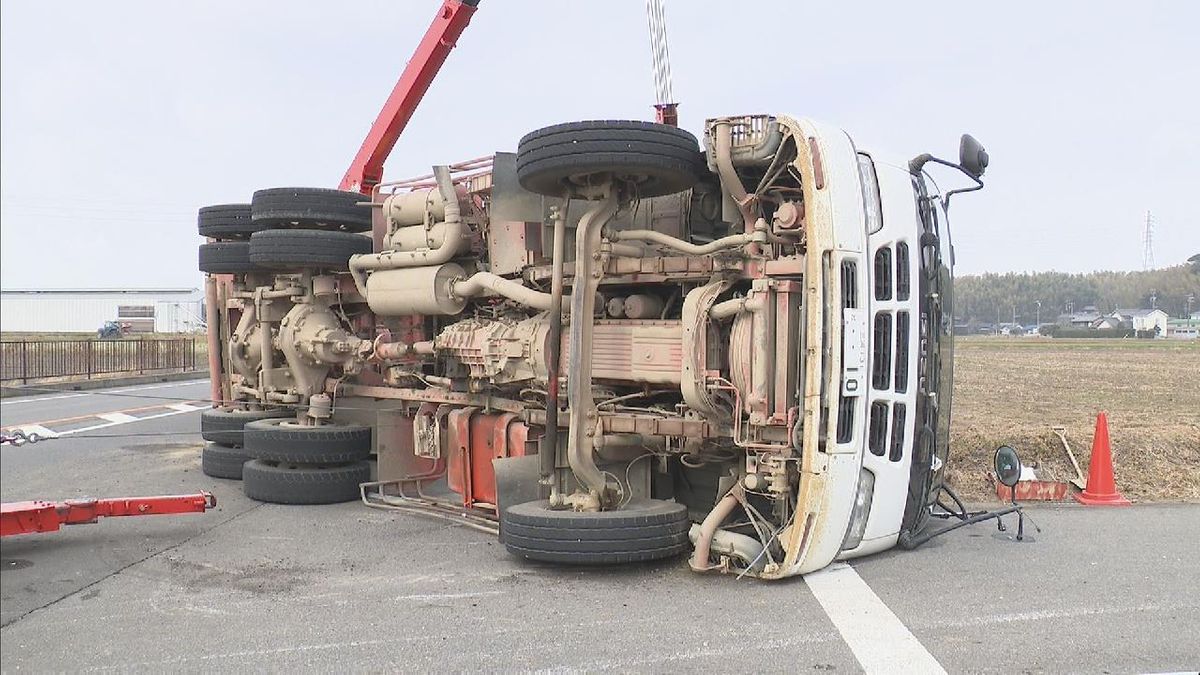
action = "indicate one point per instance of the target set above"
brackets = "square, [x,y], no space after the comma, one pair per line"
[946,200]
[920,161]
[908,541]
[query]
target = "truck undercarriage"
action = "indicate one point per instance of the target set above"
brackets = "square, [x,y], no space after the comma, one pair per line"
[712,388]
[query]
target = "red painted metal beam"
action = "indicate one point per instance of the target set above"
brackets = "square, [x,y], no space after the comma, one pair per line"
[667,113]
[43,516]
[366,170]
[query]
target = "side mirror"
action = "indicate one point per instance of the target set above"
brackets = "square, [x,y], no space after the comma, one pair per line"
[1008,473]
[1008,466]
[971,156]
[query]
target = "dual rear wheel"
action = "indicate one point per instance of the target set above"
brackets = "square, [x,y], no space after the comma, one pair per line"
[293,463]
[285,228]
[281,461]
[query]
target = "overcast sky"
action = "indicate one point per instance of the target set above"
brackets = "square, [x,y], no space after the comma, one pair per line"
[120,118]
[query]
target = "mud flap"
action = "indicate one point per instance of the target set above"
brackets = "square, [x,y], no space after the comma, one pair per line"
[516,483]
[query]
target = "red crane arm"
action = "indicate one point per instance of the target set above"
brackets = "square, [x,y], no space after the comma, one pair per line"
[366,170]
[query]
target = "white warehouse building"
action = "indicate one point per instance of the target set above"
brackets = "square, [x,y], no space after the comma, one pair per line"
[79,310]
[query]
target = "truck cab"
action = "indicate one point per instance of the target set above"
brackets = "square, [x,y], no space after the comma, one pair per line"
[909,282]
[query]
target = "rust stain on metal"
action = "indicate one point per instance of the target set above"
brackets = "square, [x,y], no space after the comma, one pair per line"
[818,167]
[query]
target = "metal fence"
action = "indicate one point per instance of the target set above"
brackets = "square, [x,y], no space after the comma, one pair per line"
[27,360]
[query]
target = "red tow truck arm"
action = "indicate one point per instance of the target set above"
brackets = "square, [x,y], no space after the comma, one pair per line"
[42,516]
[366,170]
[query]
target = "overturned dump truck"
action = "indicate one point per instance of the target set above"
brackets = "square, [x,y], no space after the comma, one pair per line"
[617,344]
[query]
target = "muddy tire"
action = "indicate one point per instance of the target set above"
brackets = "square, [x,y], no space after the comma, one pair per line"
[220,461]
[648,529]
[295,484]
[298,249]
[281,440]
[226,221]
[225,425]
[312,208]
[656,159]
[226,257]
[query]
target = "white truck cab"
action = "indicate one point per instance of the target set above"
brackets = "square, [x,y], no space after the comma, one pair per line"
[888,334]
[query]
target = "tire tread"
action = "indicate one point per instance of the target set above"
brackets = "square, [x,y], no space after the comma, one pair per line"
[272,441]
[306,248]
[282,484]
[320,208]
[221,461]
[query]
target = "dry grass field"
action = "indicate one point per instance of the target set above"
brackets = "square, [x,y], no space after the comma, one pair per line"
[1013,390]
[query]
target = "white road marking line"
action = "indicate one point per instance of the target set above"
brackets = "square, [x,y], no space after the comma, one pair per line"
[135,419]
[623,622]
[878,639]
[1071,613]
[119,417]
[101,392]
[630,662]
[447,596]
[148,387]
[184,407]
[38,429]
[47,433]
[39,400]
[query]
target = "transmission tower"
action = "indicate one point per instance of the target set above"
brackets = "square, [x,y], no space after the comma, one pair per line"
[1148,243]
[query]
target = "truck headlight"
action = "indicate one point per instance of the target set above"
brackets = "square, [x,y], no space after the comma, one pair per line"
[862,509]
[870,194]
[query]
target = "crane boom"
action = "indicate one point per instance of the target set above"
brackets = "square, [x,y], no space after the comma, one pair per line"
[366,170]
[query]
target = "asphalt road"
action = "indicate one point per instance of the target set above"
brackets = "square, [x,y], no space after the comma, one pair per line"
[54,405]
[345,588]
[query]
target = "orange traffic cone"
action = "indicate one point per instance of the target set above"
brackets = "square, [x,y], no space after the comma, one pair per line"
[1101,485]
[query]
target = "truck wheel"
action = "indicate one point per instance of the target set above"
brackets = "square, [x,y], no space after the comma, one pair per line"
[292,484]
[220,461]
[226,221]
[224,425]
[283,440]
[292,249]
[657,158]
[316,208]
[226,257]
[646,529]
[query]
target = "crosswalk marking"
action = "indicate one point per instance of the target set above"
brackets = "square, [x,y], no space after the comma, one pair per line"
[107,419]
[184,407]
[38,429]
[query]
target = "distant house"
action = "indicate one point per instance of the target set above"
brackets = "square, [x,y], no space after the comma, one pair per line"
[1183,329]
[1105,322]
[1142,319]
[1082,319]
